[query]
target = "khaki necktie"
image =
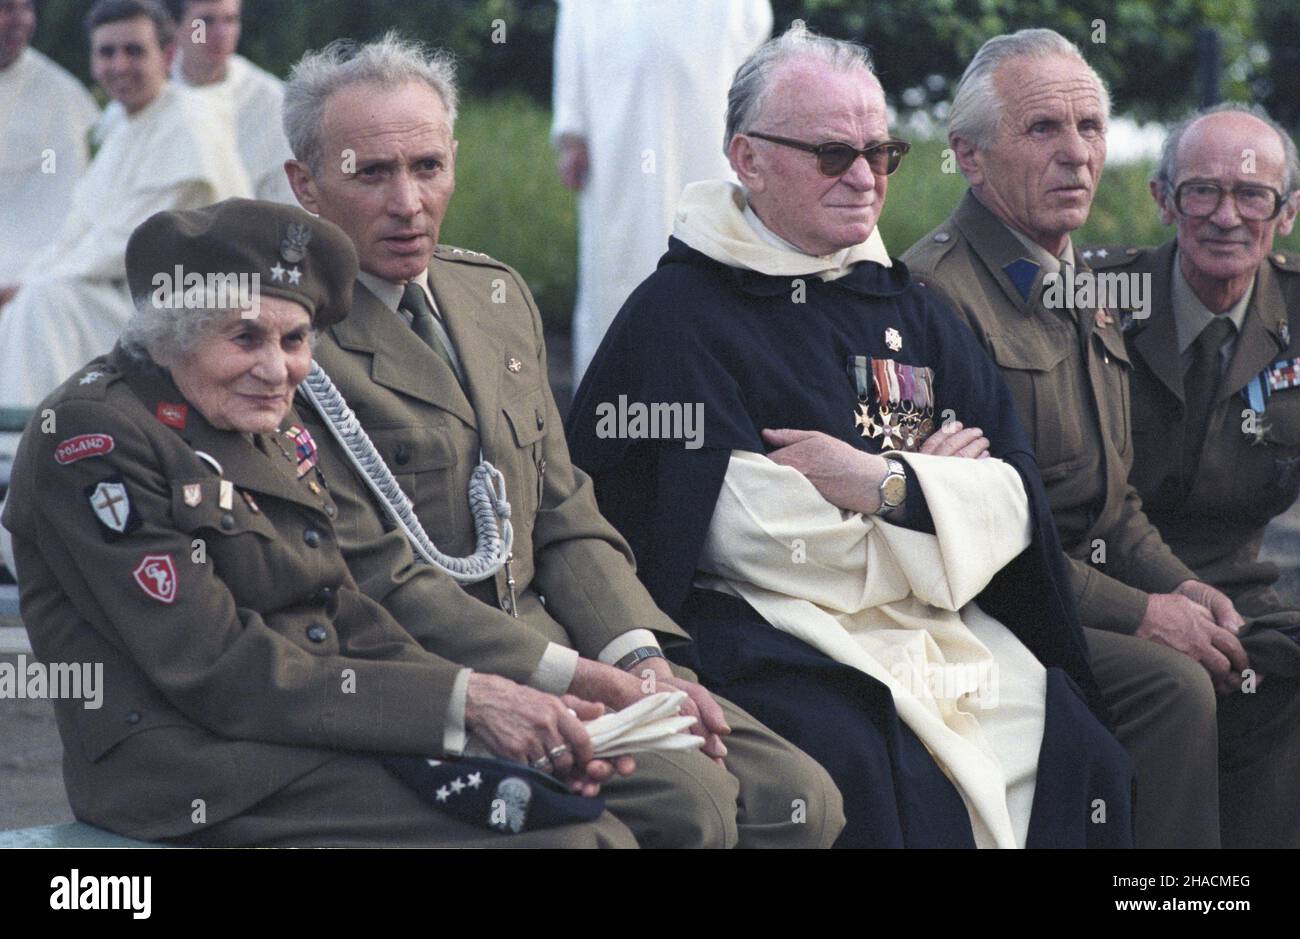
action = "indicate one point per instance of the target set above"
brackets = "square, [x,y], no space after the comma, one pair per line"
[1200,386]
[417,304]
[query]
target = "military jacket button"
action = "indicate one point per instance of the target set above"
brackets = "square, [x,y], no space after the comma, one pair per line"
[317,633]
[330,511]
[312,537]
[325,594]
[227,521]
[541,422]
[133,717]
[403,454]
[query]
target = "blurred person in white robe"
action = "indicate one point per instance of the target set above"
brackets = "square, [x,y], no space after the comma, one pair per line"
[206,60]
[168,149]
[45,119]
[639,100]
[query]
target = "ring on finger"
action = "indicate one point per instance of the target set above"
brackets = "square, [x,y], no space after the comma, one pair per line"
[556,752]
[542,763]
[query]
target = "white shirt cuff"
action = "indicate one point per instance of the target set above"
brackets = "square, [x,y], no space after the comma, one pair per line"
[622,645]
[453,737]
[554,673]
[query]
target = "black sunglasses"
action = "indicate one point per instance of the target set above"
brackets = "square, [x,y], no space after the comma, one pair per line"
[834,159]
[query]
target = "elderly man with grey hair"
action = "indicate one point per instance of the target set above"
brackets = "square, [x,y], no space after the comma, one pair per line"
[879,582]
[1216,422]
[1028,128]
[443,361]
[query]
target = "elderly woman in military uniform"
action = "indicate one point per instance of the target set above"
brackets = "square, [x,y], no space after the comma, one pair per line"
[169,521]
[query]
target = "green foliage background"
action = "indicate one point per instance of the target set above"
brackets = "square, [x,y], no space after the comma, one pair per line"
[510,204]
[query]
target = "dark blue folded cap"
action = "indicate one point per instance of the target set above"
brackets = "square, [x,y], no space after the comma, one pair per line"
[498,794]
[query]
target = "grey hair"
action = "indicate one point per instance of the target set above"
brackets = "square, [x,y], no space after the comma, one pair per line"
[392,60]
[752,85]
[1167,169]
[166,330]
[976,106]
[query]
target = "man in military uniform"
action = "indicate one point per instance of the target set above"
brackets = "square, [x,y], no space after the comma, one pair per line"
[1216,420]
[443,361]
[1028,128]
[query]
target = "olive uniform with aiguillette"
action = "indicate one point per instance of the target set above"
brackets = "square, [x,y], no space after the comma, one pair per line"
[432,430]
[249,688]
[1212,505]
[1068,373]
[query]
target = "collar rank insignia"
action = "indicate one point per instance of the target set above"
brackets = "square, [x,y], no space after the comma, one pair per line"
[192,493]
[172,414]
[1283,374]
[304,448]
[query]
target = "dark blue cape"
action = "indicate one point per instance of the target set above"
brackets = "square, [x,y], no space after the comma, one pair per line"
[770,352]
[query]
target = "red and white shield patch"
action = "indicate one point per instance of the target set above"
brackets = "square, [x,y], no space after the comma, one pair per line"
[156,575]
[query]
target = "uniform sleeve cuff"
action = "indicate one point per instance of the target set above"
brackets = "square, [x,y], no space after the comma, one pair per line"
[622,645]
[453,737]
[554,673]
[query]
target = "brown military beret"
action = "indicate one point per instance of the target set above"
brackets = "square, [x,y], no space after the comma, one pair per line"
[229,253]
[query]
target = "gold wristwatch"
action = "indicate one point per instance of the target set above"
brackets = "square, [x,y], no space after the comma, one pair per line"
[893,488]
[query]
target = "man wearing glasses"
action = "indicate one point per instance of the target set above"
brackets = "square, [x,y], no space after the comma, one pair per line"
[1216,421]
[1028,129]
[856,535]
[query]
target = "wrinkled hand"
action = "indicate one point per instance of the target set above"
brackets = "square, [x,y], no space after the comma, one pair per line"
[952,439]
[846,477]
[1214,600]
[573,161]
[618,689]
[521,724]
[710,722]
[1175,621]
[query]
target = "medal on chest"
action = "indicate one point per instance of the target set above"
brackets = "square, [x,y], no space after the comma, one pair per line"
[895,401]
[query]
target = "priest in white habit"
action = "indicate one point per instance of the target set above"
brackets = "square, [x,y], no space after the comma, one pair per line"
[639,96]
[206,61]
[168,150]
[45,121]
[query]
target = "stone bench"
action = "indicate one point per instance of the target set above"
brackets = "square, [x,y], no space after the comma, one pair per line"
[72,835]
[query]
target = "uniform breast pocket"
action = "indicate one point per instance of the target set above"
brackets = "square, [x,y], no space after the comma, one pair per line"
[525,478]
[1041,369]
[423,459]
[234,538]
[1282,431]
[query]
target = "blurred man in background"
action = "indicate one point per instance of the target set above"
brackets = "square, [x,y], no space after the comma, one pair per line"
[45,117]
[640,90]
[167,150]
[206,60]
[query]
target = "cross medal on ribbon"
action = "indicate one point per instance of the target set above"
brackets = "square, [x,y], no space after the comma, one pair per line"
[904,401]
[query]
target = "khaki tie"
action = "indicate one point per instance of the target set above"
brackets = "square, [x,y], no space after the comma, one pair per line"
[417,304]
[1200,386]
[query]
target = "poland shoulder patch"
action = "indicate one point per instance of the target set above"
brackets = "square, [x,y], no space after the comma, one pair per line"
[156,575]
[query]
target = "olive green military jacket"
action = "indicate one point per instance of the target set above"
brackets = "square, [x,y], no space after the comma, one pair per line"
[431,433]
[1249,471]
[238,653]
[1069,374]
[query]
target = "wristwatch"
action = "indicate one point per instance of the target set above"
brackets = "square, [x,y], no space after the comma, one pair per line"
[638,655]
[893,488]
